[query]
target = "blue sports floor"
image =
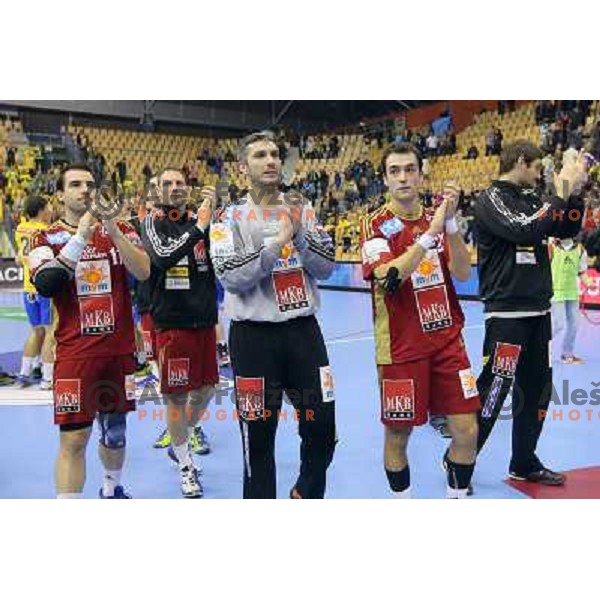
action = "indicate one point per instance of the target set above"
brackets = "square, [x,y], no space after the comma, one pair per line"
[29,439]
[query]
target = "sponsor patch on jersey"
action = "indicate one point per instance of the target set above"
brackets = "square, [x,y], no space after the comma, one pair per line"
[178,372]
[391,227]
[67,396]
[92,277]
[177,278]
[506,359]
[250,395]
[200,256]
[373,249]
[290,290]
[398,400]
[221,241]
[96,315]
[40,255]
[130,387]
[327,384]
[428,272]
[58,238]
[468,383]
[434,308]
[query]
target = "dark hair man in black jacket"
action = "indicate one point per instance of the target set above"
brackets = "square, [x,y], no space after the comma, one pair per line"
[184,311]
[515,284]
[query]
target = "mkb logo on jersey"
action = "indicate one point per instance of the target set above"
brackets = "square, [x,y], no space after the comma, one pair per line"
[250,394]
[96,315]
[434,309]
[506,358]
[200,256]
[290,290]
[178,371]
[67,396]
[398,400]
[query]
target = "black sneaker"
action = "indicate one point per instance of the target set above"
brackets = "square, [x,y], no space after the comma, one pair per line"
[445,469]
[544,477]
[36,374]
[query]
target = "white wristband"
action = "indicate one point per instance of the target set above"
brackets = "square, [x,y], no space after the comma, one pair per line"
[451,226]
[426,241]
[73,249]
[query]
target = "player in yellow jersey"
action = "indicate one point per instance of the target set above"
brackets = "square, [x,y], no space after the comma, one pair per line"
[37,212]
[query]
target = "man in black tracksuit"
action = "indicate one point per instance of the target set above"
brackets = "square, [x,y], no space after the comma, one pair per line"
[184,311]
[515,284]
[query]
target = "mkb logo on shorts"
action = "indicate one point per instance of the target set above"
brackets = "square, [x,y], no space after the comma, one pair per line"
[178,371]
[147,339]
[327,384]
[398,400]
[506,358]
[250,394]
[67,396]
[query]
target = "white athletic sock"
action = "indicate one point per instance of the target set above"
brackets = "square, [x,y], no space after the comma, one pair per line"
[37,361]
[183,455]
[404,495]
[47,371]
[110,482]
[455,493]
[154,369]
[27,365]
[69,496]
[141,357]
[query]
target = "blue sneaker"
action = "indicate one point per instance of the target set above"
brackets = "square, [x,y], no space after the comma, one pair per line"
[22,382]
[120,494]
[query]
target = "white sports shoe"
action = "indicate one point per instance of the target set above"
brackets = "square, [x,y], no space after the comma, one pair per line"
[190,483]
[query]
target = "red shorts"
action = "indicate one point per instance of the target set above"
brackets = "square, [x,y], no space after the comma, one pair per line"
[187,359]
[148,335]
[83,388]
[442,384]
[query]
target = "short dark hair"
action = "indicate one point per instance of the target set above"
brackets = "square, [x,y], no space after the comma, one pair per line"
[258,136]
[34,205]
[401,148]
[60,186]
[163,171]
[511,153]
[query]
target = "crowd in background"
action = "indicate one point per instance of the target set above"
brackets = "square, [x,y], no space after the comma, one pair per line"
[340,197]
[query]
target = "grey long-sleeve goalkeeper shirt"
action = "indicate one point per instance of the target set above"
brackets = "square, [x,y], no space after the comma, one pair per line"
[264,281]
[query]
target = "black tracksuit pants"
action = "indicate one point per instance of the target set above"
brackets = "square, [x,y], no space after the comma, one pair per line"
[517,353]
[268,359]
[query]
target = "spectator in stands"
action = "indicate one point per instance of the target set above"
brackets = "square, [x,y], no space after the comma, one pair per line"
[498,137]
[122,170]
[575,137]
[10,157]
[472,153]
[194,174]
[432,144]
[338,180]
[147,173]
[490,140]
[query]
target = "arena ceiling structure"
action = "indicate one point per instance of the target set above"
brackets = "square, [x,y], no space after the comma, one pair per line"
[221,116]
